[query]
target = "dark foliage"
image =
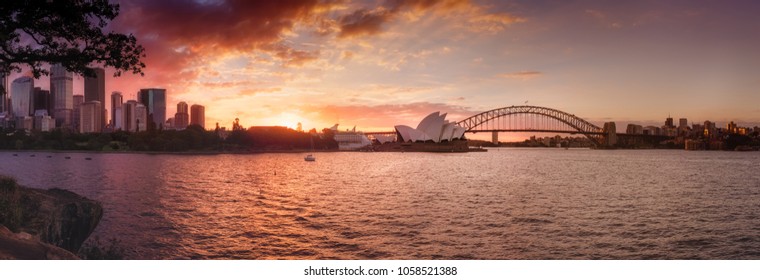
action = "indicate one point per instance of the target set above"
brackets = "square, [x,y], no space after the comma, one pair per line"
[69,32]
[193,138]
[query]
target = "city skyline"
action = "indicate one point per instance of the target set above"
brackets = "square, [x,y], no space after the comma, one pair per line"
[380,65]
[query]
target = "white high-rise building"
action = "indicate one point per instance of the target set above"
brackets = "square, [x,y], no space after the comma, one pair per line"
[21,97]
[62,95]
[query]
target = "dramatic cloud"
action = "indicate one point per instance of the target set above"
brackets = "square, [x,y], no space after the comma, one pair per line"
[363,22]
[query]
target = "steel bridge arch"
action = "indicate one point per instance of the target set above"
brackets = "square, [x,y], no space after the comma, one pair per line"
[582,126]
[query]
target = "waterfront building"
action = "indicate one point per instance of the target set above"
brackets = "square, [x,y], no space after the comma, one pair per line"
[182,117]
[682,122]
[697,130]
[42,121]
[198,115]
[95,90]
[710,130]
[652,130]
[22,91]
[141,117]
[25,123]
[154,99]
[634,129]
[433,127]
[731,128]
[90,117]
[76,111]
[61,95]
[117,115]
[135,116]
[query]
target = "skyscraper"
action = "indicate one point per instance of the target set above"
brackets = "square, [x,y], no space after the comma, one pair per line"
[129,115]
[181,118]
[91,113]
[135,116]
[154,100]
[4,93]
[95,90]
[117,114]
[21,97]
[198,115]
[41,100]
[682,122]
[76,112]
[61,95]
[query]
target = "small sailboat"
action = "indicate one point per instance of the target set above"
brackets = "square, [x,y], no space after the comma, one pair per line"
[310,157]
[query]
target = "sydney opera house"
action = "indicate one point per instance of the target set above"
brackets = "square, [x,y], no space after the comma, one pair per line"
[433,134]
[433,128]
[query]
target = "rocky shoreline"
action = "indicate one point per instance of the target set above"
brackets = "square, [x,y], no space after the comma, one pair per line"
[44,224]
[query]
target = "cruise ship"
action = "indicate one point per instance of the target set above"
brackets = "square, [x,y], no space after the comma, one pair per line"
[350,140]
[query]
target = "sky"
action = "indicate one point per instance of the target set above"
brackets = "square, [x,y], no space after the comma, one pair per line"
[376,64]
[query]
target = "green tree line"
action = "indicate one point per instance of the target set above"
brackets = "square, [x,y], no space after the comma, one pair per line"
[194,138]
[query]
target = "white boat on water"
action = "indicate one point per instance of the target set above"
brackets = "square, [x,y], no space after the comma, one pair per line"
[310,157]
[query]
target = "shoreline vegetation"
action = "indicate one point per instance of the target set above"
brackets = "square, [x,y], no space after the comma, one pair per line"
[193,140]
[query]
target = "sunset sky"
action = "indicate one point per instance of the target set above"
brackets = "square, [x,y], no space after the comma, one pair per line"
[375,64]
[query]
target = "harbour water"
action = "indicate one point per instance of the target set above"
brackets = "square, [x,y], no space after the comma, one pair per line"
[502,204]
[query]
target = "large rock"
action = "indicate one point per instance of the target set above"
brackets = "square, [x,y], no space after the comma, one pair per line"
[58,217]
[15,246]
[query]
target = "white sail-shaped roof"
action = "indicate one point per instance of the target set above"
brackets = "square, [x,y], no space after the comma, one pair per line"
[433,127]
[427,121]
[448,131]
[404,130]
[458,132]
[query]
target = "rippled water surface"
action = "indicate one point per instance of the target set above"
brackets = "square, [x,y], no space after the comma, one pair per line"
[502,204]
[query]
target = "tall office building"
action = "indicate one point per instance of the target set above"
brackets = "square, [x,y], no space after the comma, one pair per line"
[61,95]
[91,113]
[198,115]
[76,112]
[4,107]
[682,122]
[182,117]
[95,90]
[141,117]
[117,114]
[41,99]
[128,109]
[154,100]
[135,116]
[22,92]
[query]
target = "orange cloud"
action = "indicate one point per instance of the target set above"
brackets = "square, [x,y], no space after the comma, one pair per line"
[522,75]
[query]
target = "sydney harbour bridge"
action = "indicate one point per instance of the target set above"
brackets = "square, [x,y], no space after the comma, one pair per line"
[541,120]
